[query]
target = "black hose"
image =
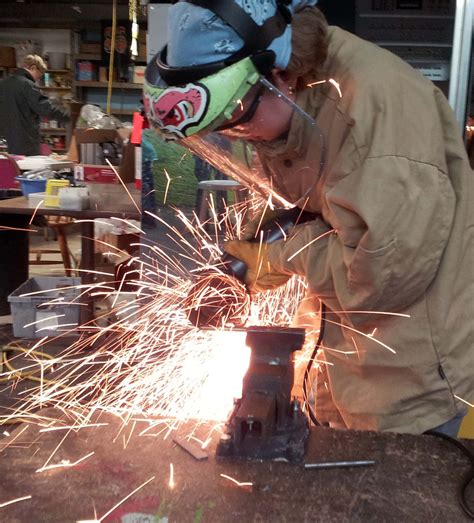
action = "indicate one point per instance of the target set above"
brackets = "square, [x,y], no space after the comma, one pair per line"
[322,327]
[469,476]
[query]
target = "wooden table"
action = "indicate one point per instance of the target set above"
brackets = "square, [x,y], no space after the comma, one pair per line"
[415,478]
[16,213]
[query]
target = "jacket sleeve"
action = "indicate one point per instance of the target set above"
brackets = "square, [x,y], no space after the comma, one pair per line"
[391,219]
[41,104]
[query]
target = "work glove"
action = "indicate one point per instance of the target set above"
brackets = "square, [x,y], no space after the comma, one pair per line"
[258,222]
[260,275]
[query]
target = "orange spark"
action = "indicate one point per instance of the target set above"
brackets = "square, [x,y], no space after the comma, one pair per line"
[319,82]
[309,243]
[336,85]
[65,463]
[124,499]
[35,211]
[171,483]
[168,181]
[6,503]
[123,185]
[238,483]
[464,401]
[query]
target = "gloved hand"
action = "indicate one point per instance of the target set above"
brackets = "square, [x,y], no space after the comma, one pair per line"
[258,222]
[260,275]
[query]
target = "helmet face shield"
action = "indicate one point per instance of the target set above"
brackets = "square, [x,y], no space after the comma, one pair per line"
[262,167]
[244,126]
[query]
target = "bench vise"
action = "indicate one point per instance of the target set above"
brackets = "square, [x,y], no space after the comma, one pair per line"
[267,423]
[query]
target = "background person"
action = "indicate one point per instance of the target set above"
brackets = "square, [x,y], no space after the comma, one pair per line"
[22,104]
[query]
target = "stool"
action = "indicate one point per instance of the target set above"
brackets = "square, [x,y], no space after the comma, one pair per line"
[208,186]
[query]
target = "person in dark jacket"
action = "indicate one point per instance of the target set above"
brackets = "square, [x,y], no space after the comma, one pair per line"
[22,104]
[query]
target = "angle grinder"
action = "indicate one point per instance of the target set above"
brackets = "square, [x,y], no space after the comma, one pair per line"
[216,299]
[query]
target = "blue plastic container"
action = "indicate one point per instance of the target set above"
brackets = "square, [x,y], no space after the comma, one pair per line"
[31,186]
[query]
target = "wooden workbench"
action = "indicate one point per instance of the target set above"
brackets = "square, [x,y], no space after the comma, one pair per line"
[415,479]
[16,213]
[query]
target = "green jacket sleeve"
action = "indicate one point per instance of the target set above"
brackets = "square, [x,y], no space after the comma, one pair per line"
[391,219]
[41,104]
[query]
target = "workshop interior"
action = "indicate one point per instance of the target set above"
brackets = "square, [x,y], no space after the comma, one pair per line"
[154,367]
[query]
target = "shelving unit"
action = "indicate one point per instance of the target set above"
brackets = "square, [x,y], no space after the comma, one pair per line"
[125,97]
[57,138]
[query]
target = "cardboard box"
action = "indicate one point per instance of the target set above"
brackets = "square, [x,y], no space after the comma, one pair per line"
[139,74]
[7,56]
[103,173]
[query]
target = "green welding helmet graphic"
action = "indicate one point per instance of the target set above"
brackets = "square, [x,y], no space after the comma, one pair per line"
[182,101]
[223,99]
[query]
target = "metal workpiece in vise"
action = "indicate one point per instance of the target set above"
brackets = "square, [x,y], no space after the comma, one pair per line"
[267,423]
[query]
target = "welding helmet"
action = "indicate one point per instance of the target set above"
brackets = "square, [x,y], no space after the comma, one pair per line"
[200,101]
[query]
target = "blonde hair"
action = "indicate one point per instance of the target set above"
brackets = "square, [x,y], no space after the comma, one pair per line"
[33,60]
[309,45]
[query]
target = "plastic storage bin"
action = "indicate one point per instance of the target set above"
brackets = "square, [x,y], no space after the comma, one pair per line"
[31,186]
[48,312]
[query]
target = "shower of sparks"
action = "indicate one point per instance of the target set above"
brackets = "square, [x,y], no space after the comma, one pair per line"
[14,501]
[143,361]
[238,483]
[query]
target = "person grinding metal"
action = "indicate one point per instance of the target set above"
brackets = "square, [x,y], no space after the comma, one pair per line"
[319,119]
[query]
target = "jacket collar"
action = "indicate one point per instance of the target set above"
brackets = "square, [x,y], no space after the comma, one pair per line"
[25,74]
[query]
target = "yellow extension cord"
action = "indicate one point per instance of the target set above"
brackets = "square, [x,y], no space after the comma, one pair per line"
[18,373]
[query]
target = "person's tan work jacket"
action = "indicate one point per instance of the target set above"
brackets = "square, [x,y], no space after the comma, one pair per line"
[397,190]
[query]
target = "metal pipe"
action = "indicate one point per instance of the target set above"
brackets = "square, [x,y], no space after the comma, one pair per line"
[339,464]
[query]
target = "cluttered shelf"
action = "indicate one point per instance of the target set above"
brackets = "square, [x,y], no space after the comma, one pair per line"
[55,87]
[115,85]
